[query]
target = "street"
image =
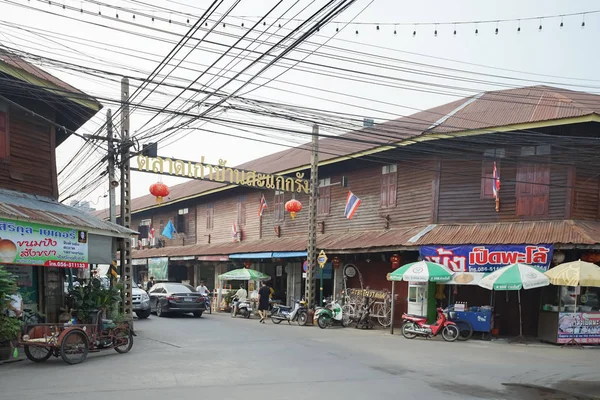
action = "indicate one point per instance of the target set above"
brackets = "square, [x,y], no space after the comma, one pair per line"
[216,356]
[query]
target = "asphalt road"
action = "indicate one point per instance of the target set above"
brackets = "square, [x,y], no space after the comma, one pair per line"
[219,357]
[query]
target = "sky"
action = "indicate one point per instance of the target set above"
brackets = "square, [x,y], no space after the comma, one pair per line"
[399,73]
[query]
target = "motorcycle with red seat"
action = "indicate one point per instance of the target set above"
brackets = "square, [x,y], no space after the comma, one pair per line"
[416,325]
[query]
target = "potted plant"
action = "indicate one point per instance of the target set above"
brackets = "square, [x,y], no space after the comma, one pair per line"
[91,299]
[9,326]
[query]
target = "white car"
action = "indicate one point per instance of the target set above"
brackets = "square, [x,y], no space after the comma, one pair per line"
[140,301]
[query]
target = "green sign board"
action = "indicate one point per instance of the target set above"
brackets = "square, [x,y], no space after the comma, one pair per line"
[27,243]
[158,268]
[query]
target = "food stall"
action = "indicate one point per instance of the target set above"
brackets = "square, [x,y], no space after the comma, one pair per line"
[570,314]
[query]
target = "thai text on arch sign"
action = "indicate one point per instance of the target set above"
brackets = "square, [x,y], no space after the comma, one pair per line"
[474,258]
[29,243]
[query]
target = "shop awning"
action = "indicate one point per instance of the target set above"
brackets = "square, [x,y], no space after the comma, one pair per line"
[252,255]
[289,254]
[213,258]
[44,210]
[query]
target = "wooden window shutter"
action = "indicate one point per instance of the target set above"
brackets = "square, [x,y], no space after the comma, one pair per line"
[392,189]
[487,178]
[384,190]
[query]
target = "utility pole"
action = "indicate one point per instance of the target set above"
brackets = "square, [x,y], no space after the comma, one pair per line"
[126,268]
[112,184]
[112,196]
[312,217]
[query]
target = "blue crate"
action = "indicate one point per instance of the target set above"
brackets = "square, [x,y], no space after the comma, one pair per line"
[480,320]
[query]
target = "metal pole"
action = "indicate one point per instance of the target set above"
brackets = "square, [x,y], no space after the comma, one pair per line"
[112,196]
[126,268]
[321,288]
[393,307]
[312,217]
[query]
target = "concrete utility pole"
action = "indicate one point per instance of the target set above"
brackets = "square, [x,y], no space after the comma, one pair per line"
[312,218]
[112,196]
[126,268]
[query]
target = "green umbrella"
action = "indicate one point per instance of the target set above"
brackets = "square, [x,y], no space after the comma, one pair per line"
[244,274]
[422,271]
[515,277]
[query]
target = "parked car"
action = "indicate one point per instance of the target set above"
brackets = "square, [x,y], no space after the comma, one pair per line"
[141,301]
[172,297]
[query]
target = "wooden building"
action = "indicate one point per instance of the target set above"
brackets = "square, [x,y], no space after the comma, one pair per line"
[424,180]
[43,239]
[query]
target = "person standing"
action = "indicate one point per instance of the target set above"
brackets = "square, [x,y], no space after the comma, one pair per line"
[264,294]
[150,284]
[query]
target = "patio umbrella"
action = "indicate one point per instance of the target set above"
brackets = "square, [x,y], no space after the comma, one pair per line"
[244,274]
[575,273]
[421,271]
[515,277]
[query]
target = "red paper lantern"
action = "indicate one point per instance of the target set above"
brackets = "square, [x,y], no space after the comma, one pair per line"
[159,190]
[395,259]
[335,261]
[293,206]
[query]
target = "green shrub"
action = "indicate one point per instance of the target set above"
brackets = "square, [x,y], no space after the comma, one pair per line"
[9,326]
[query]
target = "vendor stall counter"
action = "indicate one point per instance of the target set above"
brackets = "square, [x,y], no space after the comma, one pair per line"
[573,315]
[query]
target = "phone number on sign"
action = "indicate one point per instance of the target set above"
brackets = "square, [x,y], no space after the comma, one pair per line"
[481,269]
[65,264]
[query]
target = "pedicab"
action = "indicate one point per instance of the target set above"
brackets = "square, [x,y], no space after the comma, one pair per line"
[73,342]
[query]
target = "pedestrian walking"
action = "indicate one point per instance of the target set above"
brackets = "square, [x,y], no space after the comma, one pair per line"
[264,294]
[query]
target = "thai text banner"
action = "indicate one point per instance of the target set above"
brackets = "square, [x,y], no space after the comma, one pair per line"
[28,243]
[473,258]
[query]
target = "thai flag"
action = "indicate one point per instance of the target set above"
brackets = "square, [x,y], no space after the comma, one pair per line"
[496,182]
[352,203]
[234,231]
[263,205]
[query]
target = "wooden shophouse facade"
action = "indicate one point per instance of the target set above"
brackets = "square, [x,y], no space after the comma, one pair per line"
[424,180]
[43,238]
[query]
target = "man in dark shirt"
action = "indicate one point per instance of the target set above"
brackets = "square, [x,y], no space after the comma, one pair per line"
[150,283]
[263,301]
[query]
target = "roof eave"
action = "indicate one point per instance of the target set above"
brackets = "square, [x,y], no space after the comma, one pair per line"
[592,117]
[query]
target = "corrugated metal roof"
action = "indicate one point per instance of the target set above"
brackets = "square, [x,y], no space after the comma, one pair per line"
[531,232]
[528,232]
[17,62]
[488,110]
[44,210]
[362,240]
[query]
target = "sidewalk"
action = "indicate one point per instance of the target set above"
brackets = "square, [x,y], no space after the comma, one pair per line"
[11,360]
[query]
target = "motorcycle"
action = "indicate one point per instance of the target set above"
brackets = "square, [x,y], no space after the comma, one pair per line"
[332,314]
[416,325]
[207,303]
[289,314]
[244,308]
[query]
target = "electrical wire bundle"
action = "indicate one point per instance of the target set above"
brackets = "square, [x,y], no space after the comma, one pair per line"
[180,106]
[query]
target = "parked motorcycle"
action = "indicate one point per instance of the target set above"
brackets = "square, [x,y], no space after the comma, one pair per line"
[244,308]
[416,325]
[331,314]
[283,313]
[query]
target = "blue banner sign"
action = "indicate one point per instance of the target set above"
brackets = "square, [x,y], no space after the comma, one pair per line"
[473,258]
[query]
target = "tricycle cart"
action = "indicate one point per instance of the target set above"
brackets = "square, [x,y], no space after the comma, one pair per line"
[474,319]
[73,342]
